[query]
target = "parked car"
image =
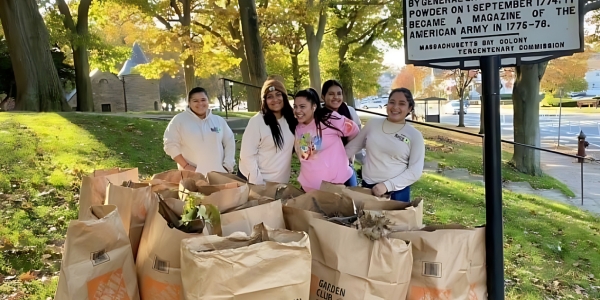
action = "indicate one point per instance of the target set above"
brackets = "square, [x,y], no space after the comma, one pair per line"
[377,103]
[453,107]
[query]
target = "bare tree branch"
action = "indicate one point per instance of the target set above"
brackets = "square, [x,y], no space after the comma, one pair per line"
[163,21]
[66,12]
[217,35]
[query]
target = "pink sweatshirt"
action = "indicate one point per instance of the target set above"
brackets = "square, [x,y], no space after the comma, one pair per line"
[324,158]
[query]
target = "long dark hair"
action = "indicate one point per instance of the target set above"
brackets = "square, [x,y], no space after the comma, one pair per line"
[321,115]
[343,109]
[269,117]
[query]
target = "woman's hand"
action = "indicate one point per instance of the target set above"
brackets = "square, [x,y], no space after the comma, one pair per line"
[379,189]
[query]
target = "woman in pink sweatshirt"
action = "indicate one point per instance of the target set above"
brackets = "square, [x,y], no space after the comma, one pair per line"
[318,142]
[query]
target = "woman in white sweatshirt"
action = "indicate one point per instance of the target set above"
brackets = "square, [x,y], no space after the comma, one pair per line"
[268,141]
[332,94]
[395,150]
[198,140]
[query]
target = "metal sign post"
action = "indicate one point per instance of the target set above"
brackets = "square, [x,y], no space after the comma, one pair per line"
[488,35]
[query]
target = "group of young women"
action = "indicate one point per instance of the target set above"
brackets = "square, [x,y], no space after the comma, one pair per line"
[326,139]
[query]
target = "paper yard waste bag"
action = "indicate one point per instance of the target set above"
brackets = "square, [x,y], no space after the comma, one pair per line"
[158,260]
[449,262]
[175,176]
[93,186]
[349,266]
[133,204]
[273,190]
[402,215]
[244,218]
[269,264]
[97,262]
[298,211]
[225,196]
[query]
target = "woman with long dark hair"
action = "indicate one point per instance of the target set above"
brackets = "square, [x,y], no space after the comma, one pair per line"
[332,95]
[319,142]
[268,141]
[199,141]
[395,150]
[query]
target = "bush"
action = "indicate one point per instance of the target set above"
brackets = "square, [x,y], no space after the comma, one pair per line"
[550,101]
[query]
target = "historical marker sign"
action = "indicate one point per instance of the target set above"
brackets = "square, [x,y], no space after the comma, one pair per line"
[464,30]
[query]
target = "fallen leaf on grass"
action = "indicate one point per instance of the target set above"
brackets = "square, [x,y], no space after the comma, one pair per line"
[29,276]
[579,290]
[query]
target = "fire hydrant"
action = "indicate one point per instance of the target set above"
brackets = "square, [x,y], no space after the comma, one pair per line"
[581,145]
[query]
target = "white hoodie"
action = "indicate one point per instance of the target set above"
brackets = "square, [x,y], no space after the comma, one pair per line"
[260,159]
[208,144]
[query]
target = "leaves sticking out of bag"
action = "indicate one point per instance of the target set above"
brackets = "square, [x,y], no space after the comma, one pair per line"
[194,217]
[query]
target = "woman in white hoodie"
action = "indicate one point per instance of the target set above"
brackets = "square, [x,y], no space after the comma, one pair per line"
[198,140]
[268,141]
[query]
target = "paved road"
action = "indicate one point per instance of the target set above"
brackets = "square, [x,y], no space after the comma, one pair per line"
[570,125]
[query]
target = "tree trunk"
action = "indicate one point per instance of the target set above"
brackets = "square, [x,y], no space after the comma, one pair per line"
[296,73]
[38,85]
[188,63]
[83,83]
[346,79]
[526,113]
[254,53]
[314,41]
[461,112]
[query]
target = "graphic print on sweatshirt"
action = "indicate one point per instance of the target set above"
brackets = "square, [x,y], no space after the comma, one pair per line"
[309,145]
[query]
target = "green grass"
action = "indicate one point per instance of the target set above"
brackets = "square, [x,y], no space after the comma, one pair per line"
[452,154]
[49,152]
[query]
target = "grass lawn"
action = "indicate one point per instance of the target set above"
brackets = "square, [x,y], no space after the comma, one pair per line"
[551,250]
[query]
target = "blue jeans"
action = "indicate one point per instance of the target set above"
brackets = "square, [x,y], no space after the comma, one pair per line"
[352,181]
[401,195]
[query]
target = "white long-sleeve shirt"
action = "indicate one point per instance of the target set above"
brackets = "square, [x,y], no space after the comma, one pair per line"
[396,159]
[208,144]
[260,159]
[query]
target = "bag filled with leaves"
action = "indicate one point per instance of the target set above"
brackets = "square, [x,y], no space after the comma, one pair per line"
[225,197]
[401,215]
[273,190]
[298,211]
[93,186]
[449,262]
[267,264]
[169,221]
[245,217]
[97,259]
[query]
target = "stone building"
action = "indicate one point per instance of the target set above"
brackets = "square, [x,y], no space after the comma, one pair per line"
[123,92]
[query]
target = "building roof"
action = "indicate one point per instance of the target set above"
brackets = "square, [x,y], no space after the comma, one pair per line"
[137,58]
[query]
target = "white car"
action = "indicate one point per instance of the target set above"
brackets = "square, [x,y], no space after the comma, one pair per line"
[453,107]
[378,103]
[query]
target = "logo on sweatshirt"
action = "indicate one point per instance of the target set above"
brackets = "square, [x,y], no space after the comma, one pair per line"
[215,129]
[308,145]
[402,138]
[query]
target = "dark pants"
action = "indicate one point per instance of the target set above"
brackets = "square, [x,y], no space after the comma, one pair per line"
[240,175]
[401,195]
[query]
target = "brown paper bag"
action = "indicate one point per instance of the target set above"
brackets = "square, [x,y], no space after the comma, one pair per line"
[269,264]
[226,197]
[93,186]
[133,205]
[402,215]
[274,190]
[216,178]
[97,260]
[252,213]
[449,262]
[298,211]
[158,260]
[347,265]
[175,176]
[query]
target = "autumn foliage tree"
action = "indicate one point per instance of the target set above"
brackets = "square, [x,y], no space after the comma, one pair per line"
[566,73]
[413,78]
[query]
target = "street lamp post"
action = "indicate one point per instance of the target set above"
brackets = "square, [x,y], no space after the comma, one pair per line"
[231,96]
[559,117]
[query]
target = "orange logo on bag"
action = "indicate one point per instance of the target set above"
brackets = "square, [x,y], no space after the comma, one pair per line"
[314,284]
[151,289]
[425,293]
[108,286]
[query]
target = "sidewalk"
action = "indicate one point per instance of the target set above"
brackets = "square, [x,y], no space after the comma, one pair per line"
[568,171]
